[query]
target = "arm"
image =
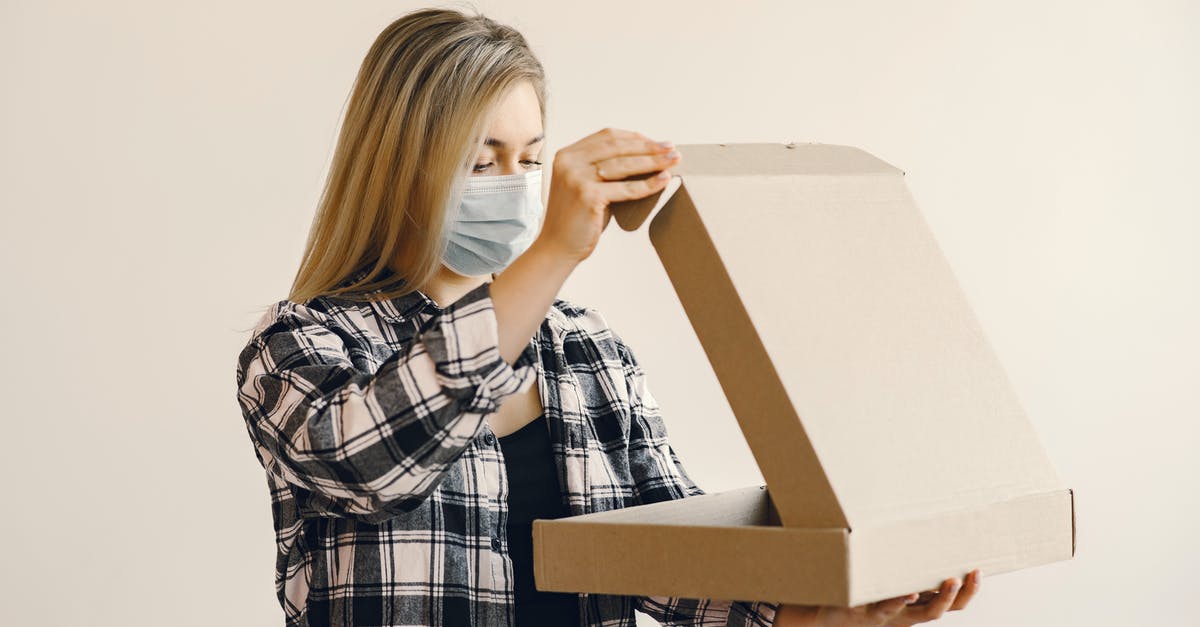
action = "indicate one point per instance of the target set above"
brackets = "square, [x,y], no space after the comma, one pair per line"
[370,446]
[659,476]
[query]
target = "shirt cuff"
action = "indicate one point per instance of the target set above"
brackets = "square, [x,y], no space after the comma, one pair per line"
[465,346]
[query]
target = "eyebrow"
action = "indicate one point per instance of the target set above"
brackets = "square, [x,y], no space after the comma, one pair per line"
[492,141]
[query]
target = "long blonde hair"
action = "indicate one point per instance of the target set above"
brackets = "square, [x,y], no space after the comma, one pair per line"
[418,109]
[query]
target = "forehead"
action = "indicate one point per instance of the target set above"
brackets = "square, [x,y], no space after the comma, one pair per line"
[517,120]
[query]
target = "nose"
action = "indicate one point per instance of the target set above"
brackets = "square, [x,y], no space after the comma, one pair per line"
[511,167]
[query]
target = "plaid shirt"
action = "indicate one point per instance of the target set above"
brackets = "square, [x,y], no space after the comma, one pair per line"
[388,487]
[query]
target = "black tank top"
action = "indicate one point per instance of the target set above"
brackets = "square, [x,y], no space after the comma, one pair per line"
[533,492]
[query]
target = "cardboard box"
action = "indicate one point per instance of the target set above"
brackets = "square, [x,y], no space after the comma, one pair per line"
[893,446]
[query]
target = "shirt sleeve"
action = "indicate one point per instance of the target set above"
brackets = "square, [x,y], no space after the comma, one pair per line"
[372,445]
[706,612]
[659,475]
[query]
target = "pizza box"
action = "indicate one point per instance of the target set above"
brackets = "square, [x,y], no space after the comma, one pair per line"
[894,449]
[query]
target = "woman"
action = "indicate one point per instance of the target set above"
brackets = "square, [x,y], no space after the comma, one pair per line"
[422,395]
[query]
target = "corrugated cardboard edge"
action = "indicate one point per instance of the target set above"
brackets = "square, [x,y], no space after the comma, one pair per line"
[1073,532]
[630,215]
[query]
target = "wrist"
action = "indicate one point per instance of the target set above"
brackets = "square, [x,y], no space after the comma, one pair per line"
[552,255]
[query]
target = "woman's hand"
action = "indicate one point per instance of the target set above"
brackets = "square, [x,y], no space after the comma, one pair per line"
[897,612]
[587,177]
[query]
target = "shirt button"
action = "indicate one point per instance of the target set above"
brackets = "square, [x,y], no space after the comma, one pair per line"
[489,438]
[496,544]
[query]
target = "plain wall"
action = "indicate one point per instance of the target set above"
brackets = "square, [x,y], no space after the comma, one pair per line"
[162,161]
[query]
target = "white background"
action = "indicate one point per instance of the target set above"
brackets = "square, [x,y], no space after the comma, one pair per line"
[161,163]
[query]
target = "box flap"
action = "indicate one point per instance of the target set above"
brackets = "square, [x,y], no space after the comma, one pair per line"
[763,159]
[858,373]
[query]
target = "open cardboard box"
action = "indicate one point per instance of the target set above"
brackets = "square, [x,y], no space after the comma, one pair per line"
[894,448]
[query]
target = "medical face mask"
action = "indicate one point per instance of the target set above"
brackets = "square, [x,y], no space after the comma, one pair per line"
[497,219]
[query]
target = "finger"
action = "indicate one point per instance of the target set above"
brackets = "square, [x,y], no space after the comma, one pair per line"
[884,611]
[617,168]
[602,136]
[608,132]
[616,191]
[939,605]
[926,596]
[970,587]
[607,147]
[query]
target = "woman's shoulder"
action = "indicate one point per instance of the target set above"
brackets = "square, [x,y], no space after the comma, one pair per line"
[288,315]
[586,318]
[588,322]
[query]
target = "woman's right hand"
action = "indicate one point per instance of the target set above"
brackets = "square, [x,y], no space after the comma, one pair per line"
[587,177]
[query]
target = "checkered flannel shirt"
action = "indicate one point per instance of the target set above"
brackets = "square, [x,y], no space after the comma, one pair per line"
[388,488]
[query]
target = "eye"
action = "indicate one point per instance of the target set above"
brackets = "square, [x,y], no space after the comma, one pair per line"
[480,167]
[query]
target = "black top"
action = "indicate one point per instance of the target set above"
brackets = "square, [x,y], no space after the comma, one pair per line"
[533,492]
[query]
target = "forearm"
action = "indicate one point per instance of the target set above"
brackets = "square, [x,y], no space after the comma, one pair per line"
[524,292]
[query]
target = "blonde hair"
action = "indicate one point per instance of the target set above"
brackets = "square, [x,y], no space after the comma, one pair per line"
[419,106]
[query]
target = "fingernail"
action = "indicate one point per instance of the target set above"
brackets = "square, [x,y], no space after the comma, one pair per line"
[663,175]
[666,144]
[672,154]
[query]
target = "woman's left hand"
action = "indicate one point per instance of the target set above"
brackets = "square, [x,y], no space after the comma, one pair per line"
[920,608]
[932,604]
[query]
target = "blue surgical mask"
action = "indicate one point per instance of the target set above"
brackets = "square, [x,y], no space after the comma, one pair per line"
[497,219]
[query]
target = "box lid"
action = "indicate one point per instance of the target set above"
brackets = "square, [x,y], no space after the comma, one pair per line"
[856,369]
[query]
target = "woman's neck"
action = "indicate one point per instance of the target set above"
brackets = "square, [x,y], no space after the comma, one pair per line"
[448,286]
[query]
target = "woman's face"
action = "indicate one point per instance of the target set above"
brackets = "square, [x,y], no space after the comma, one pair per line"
[515,140]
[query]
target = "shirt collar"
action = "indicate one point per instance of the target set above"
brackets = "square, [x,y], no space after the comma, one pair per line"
[396,309]
[399,308]
[402,308]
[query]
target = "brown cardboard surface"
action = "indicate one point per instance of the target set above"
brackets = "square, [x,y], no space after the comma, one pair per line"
[723,546]
[716,542]
[861,379]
